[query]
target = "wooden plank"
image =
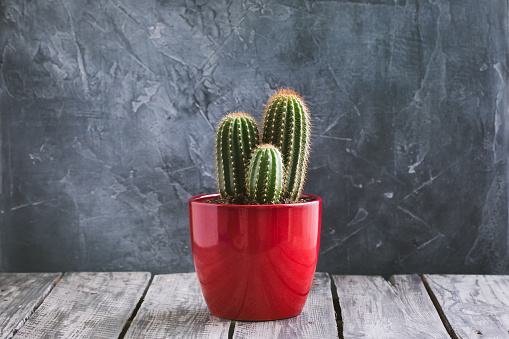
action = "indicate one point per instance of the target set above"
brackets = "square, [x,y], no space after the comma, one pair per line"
[87,305]
[317,319]
[174,308]
[20,295]
[473,305]
[371,307]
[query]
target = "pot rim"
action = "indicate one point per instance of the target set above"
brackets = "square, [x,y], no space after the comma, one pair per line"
[199,199]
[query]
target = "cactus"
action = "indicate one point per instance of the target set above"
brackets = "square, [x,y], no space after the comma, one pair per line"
[286,125]
[277,169]
[236,137]
[265,175]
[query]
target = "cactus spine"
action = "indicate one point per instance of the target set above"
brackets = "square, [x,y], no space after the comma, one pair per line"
[286,125]
[265,175]
[236,137]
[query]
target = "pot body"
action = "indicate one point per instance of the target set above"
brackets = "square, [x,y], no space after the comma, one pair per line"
[255,262]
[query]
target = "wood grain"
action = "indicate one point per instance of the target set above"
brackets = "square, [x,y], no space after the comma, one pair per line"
[20,295]
[317,319]
[371,307]
[87,305]
[174,308]
[476,306]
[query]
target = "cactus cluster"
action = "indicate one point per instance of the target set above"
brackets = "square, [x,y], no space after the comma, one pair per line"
[275,170]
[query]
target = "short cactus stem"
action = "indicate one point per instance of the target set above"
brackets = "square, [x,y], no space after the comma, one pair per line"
[265,174]
[237,135]
[286,125]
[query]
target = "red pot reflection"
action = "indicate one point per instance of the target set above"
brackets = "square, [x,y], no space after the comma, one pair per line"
[255,262]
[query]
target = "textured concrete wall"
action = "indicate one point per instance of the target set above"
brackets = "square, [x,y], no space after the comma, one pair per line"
[108,110]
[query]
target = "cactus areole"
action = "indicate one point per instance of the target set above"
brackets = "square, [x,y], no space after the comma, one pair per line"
[260,223]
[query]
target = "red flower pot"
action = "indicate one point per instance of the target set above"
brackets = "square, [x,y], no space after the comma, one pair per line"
[255,262]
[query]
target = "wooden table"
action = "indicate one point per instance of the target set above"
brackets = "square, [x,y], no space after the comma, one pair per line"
[137,305]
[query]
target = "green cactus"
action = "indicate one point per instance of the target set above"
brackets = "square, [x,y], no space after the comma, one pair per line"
[286,125]
[236,137]
[265,175]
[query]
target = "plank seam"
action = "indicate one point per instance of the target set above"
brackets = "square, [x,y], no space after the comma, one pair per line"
[439,309]
[337,307]
[32,311]
[136,309]
[231,330]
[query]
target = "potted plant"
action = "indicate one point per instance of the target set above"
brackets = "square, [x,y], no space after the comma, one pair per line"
[255,243]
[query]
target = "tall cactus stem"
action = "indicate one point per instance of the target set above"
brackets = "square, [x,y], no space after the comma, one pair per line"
[237,135]
[286,125]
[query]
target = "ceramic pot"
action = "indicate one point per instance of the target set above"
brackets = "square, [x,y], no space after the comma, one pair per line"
[255,262]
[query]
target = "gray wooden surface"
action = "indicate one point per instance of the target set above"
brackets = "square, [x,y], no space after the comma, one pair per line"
[174,308]
[475,306]
[317,319]
[113,305]
[20,295]
[87,305]
[371,307]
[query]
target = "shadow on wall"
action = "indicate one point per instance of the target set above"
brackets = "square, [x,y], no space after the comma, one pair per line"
[108,111]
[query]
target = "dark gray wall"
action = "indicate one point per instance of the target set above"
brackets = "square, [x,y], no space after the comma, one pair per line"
[108,110]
